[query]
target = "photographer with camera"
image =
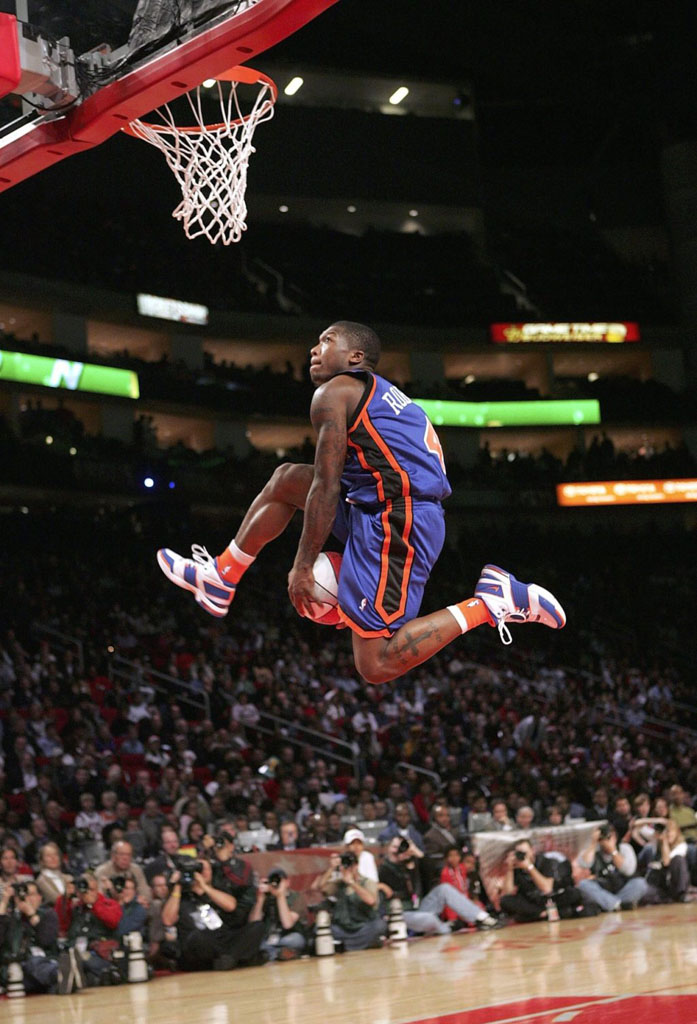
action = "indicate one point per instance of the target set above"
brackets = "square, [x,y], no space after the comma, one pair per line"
[92,919]
[202,915]
[400,873]
[354,903]
[121,863]
[29,936]
[284,937]
[612,884]
[532,884]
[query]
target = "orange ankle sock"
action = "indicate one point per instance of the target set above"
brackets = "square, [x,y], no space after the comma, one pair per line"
[233,563]
[470,614]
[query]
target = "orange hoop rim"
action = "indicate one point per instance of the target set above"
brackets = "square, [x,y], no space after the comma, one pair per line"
[239,73]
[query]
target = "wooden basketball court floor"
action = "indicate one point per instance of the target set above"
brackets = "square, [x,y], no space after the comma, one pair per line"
[623,968]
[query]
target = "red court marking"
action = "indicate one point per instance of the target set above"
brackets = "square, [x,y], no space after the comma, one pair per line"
[580,1010]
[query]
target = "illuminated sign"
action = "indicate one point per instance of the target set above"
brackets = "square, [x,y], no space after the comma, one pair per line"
[515,333]
[510,414]
[69,374]
[172,309]
[627,492]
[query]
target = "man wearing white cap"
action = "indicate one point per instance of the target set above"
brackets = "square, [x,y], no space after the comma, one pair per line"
[355,841]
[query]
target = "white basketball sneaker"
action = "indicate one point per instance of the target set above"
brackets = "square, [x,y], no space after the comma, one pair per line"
[509,600]
[200,575]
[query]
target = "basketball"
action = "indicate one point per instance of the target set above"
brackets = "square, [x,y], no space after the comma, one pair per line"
[326,572]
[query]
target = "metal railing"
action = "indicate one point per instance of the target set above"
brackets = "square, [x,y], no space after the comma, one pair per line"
[421,771]
[293,732]
[65,642]
[136,674]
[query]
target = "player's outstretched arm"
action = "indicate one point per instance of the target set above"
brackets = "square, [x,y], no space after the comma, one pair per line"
[329,415]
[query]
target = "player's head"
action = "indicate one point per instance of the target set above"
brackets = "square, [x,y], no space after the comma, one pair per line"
[344,345]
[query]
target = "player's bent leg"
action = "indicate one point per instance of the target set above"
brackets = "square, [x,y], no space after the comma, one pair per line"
[274,506]
[213,581]
[381,659]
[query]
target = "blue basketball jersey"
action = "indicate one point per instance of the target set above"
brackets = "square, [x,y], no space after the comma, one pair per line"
[393,450]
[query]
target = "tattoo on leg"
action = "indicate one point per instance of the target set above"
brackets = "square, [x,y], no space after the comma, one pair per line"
[405,646]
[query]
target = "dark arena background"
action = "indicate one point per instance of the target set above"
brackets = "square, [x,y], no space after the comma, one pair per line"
[506,191]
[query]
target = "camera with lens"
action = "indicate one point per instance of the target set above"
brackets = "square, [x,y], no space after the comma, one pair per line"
[275,877]
[348,859]
[21,890]
[606,830]
[187,867]
[119,883]
[520,855]
[222,839]
[659,827]
[403,845]
[82,885]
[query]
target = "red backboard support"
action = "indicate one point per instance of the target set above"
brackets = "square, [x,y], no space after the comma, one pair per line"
[160,80]
[10,70]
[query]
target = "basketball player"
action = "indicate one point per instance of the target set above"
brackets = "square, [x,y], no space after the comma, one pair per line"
[377,483]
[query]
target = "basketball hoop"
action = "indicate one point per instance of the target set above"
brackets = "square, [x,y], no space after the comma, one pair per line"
[210,160]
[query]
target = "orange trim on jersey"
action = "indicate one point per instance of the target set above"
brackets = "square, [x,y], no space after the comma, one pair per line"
[367,634]
[364,420]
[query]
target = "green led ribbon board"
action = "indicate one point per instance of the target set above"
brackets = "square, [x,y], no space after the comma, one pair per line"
[68,374]
[510,414]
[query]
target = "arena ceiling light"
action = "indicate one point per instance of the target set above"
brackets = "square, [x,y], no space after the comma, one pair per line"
[398,95]
[294,85]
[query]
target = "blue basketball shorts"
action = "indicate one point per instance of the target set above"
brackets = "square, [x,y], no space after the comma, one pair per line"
[390,552]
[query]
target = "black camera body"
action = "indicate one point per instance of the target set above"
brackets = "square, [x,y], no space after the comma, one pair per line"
[119,883]
[81,885]
[520,855]
[21,890]
[659,828]
[403,845]
[606,830]
[275,877]
[187,867]
[348,859]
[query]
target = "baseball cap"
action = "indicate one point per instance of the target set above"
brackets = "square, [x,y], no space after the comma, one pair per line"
[353,833]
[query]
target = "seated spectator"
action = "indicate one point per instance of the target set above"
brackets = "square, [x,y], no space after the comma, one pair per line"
[354,903]
[284,936]
[524,818]
[554,816]
[134,915]
[354,840]
[530,883]
[90,919]
[613,884]
[501,820]
[289,837]
[163,863]
[150,824]
[460,870]
[620,818]
[39,833]
[88,817]
[29,935]
[682,813]
[121,863]
[318,830]
[400,874]
[402,825]
[668,875]
[206,937]
[439,838]
[131,743]
[52,880]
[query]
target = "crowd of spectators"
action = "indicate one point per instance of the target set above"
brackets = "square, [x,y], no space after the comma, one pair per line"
[102,770]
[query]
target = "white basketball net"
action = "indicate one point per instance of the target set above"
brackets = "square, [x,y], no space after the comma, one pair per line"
[210,162]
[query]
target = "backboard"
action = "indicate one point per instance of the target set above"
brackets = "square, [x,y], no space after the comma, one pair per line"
[86,97]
